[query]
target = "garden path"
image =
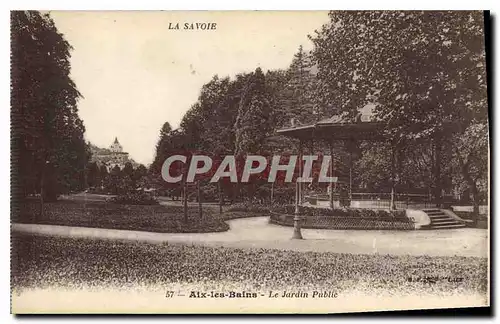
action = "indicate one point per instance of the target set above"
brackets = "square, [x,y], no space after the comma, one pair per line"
[256,232]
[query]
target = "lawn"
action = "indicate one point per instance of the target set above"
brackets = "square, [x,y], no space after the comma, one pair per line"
[101,214]
[42,262]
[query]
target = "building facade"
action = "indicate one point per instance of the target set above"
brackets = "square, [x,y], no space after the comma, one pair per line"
[112,156]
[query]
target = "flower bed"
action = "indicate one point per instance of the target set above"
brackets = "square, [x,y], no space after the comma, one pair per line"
[135,198]
[153,218]
[322,218]
[249,207]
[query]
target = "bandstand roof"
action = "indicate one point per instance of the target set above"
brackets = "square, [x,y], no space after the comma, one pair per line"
[339,127]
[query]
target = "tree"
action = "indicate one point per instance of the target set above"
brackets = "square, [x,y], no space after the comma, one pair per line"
[423,71]
[139,173]
[300,88]
[128,170]
[104,175]
[162,146]
[165,130]
[94,176]
[472,162]
[252,124]
[118,182]
[280,97]
[49,154]
[219,101]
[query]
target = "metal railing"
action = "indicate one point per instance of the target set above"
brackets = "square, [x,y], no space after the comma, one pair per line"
[374,200]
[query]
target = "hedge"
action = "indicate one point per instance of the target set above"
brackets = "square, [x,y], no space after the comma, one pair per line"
[322,218]
[250,208]
[135,198]
[342,223]
[387,215]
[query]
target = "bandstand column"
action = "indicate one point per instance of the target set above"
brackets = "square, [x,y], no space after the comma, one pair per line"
[438,197]
[331,174]
[311,151]
[350,176]
[297,233]
[393,180]
[350,147]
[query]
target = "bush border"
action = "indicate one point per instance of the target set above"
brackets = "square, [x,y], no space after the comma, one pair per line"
[335,222]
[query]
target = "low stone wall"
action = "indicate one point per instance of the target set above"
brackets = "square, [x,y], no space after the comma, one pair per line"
[333,222]
[418,217]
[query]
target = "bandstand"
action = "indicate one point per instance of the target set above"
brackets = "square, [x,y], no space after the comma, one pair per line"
[337,128]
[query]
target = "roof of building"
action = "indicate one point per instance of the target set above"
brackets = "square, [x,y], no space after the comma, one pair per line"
[339,127]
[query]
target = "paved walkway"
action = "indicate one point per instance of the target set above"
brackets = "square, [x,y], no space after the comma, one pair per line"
[258,233]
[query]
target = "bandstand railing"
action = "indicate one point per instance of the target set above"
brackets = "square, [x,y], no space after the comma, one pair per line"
[374,200]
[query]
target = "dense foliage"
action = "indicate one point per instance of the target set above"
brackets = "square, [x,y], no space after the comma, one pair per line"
[135,198]
[425,75]
[117,181]
[250,208]
[382,214]
[49,153]
[421,73]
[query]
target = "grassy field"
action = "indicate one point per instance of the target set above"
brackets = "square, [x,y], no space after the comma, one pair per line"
[101,214]
[42,262]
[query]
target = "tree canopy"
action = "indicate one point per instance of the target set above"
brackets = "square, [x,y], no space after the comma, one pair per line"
[49,153]
[422,73]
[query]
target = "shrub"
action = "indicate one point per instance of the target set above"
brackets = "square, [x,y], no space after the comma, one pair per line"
[250,208]
[135,198]
[471,215]
[383,215]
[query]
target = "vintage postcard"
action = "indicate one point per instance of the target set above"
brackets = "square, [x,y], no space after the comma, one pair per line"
[174,162]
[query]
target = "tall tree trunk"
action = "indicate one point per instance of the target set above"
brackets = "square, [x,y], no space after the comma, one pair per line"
[393,178]
[437,172]
[184,197]
[475,197]
[272,193]
[331,175]
[473,190]
[200,205]
[350,176]
[42,192]
[221,197]
[472,186]
[301,187]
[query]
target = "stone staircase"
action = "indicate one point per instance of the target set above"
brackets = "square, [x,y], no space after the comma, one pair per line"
[439,220]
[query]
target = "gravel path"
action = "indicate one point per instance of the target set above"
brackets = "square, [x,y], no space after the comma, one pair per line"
[258,233]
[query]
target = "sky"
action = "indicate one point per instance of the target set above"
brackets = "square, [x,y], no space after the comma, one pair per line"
[135,73]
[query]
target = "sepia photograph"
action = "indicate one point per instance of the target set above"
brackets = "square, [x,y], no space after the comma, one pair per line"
[249,162]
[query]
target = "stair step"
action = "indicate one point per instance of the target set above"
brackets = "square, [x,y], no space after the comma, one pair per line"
[440,217]
[445,222]
[441,220]
[447,226]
